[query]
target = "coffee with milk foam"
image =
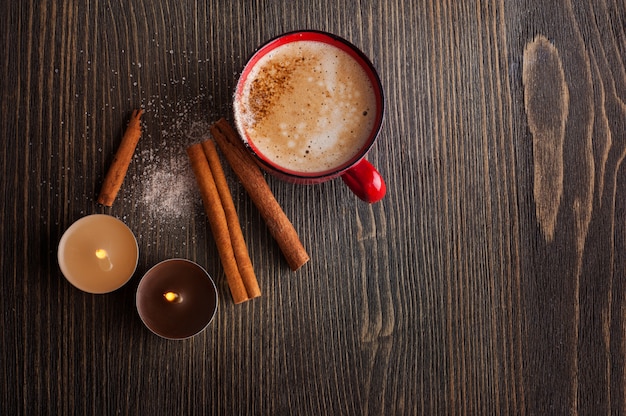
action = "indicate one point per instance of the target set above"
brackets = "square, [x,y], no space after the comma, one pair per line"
[307,107]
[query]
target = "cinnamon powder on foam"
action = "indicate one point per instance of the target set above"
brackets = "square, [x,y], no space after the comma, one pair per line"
[322,124]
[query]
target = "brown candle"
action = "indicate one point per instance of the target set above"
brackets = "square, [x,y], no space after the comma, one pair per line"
[176,299]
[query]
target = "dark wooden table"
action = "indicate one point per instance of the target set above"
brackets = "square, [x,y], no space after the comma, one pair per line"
[490,280]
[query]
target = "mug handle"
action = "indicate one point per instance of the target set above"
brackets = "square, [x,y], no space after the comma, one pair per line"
[365,181]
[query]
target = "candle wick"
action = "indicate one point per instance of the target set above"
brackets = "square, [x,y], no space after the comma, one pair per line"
[173,297]
[103,260]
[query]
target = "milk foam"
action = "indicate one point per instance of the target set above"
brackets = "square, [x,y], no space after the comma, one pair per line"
[307,106]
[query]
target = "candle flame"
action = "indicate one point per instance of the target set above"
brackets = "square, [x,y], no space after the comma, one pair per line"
[173,297]
[104,260]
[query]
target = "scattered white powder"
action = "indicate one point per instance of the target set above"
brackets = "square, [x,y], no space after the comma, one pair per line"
[164,186]
[160,185]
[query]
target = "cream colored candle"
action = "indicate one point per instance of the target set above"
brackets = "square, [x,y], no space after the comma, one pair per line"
[98,254]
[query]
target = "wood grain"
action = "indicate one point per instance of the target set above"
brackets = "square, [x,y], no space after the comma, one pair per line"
[464,291]
[546,101]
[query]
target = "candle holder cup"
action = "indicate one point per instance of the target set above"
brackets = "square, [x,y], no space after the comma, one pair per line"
[176,299]
[98,254]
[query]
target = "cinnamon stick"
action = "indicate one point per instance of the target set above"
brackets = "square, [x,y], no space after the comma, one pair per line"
[253,181]
[217,220]
[117,171]
[242,257]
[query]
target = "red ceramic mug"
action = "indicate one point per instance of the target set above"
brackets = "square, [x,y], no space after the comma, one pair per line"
[309,106]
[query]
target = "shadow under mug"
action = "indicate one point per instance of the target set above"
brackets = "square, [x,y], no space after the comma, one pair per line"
[360,175]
